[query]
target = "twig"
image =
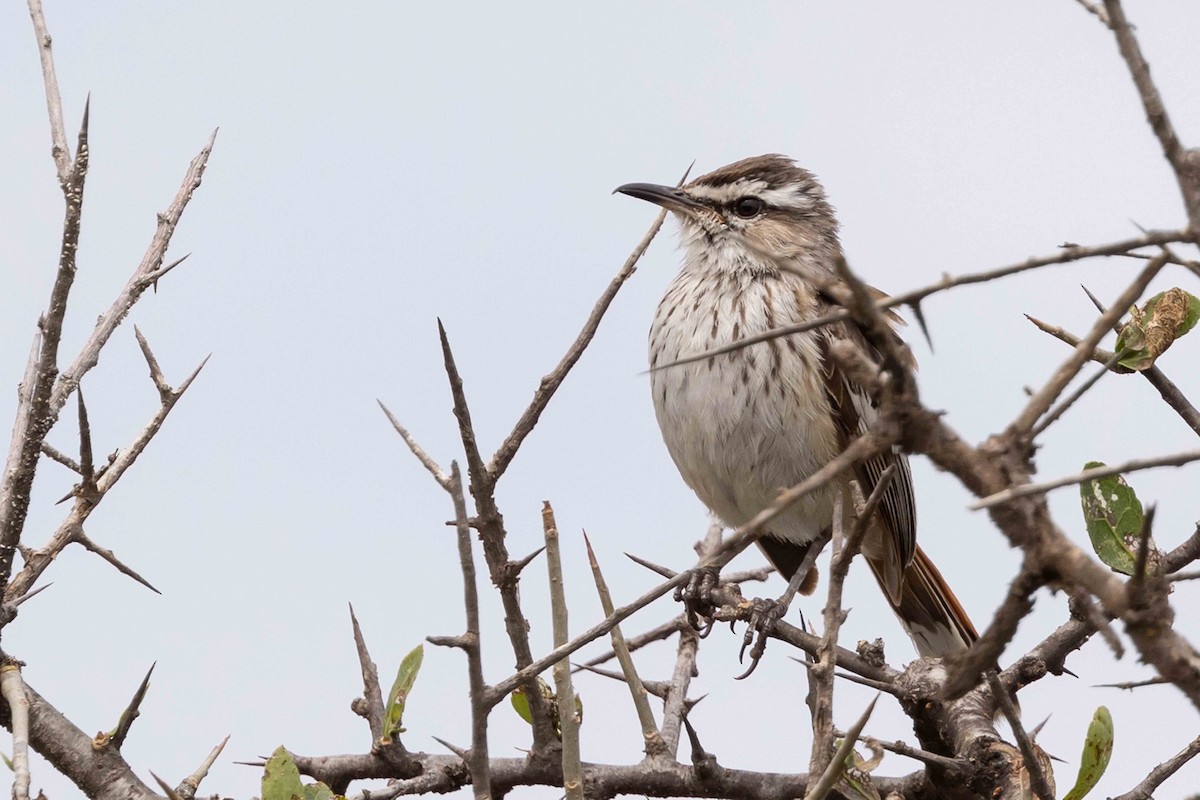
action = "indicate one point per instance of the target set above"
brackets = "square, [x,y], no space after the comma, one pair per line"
[1067,254]
[838,764]
[1041,401]
[1099,13]
[1153,374]
[490,524]
[373,709]
[568,715]
[54,454]
[550,383]
[1037,778]
[1184,554]
[36,413]
[477,761]
[191,784]
[83,539]
[156,375]
[1129,686]
[1025,490]
[87,469]
[820,675]
[59,149]
[166,787]
[964,669]
[675,706]
[655,634]
[131,711]
[845,547]
[1145,789]
[139,281]
[426,460]
[13,690]
[1156,111]
[1055,413]
[953,765]
[653,740]
[71,529]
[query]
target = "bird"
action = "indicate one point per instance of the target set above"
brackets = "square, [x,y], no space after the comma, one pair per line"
[744,425]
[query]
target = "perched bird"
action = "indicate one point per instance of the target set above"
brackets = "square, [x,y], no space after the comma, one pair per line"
[744,425]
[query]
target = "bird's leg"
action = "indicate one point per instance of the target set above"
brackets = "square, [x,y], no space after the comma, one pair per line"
[763,616]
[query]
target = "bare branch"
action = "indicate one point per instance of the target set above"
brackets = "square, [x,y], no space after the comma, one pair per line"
[477,761]
[37,412]
[1145,789]
[426,460]
[1184,554]
[1170,393]
[372,709]
[838,763]
[156,375]
[1037,777]
[656,634]
[59,149]
[1094,9]
[568,715]
[675,706]
[141,279]
[12,688]
[1040,403]
[125,723]
[108,555]
[191,784]
[71,529]
[55,454]
[653,740]
[1185,165]
[1025,490]
[490,524]
[1069,253]
[550,383]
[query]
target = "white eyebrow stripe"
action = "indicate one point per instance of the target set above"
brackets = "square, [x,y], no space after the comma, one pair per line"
[728,192]
[789,197]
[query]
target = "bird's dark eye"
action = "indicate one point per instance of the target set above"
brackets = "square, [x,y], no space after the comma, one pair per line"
[748,207]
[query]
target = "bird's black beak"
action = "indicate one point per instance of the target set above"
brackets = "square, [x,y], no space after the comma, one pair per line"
[669,197]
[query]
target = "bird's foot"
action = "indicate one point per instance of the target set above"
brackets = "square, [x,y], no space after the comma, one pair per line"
[700,598]
[764,614]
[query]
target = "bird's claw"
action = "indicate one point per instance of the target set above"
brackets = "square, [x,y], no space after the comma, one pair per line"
[763,616]
[698,598]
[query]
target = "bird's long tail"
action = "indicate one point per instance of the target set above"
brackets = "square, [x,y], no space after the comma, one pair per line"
[928,609]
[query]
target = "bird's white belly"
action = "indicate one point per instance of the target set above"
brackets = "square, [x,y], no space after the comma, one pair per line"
[743,426]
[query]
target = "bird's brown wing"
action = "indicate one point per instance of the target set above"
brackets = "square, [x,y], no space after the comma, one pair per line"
[853,411]
[920,596]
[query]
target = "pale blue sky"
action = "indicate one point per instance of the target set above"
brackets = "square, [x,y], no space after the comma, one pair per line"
[384,164]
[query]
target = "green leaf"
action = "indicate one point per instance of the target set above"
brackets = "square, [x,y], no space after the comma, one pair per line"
[406,676]
[318,791]
[1097,750]
[1114,517]
[281,779]
[521,704]
[7,762]
[1153,328]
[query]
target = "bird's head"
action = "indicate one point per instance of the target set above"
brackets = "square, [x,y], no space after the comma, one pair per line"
[761,209]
